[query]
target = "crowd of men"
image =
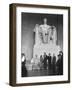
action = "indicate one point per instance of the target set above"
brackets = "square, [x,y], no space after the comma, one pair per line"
[54,64]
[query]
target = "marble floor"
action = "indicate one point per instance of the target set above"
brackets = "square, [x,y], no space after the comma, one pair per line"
[27,71]
[43,72]
[39,73]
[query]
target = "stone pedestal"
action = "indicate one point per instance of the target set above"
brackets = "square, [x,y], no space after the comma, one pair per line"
[47,48]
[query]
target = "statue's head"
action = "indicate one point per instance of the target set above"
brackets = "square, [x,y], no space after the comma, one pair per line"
[45,20]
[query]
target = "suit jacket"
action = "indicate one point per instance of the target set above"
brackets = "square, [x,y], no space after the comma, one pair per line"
[45,59]
[49,59]
[54,60]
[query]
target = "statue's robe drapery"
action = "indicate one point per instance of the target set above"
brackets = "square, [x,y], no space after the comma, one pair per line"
[44,29]
[53,35]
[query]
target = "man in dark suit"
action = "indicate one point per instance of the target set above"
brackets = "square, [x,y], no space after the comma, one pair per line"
[23,67]
[45,61]
[54,64]
[49,61]
[59,65]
